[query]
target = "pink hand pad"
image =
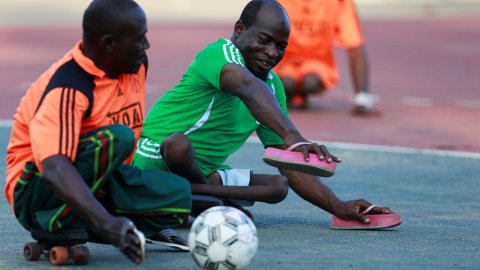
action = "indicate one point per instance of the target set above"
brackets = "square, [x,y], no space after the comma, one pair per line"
[295,161]
[379,221]
[376,222]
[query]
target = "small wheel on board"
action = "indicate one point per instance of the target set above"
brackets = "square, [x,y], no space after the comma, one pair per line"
[32,251]
[59,255]
[80,254]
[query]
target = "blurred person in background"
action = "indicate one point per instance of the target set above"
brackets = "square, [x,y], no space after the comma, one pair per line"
[309,65]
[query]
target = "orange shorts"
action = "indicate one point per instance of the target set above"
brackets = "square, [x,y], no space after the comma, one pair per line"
[297,68]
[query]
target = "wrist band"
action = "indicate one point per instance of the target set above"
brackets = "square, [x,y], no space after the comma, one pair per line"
[368,209]
[293,146]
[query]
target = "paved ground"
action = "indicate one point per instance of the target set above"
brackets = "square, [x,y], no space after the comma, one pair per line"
[425,62]
[437,197]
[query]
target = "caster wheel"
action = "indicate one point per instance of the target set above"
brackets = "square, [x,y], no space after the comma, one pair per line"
[32,251]
[59,255]
[80,254]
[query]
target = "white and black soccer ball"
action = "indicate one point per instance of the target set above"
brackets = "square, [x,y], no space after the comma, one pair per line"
[223,237]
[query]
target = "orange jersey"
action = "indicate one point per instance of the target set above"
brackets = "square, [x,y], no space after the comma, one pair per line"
[71,98]
[316,26]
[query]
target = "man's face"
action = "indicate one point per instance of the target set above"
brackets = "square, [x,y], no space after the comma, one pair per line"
[131,44]
[264,43]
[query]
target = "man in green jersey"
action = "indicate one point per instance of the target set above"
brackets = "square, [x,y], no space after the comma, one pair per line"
[228,92]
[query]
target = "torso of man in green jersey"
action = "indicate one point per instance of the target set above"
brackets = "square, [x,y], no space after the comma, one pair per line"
[217,123]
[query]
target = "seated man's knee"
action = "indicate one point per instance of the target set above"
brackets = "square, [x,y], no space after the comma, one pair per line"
[177,148]
[312,83]
[280,187]
[121,138]
[288,85]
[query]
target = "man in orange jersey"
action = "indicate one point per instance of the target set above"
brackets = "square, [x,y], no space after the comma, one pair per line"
[309,64]
[72,141]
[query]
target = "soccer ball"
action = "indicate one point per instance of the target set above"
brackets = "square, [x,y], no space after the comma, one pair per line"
[223,237]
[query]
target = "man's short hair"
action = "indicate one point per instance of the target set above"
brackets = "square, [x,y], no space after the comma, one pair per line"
[249,13]
[102,16]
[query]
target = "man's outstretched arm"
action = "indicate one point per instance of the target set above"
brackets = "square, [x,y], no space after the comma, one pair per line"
[311,189]
[263,106]
[67,183]
[260,101]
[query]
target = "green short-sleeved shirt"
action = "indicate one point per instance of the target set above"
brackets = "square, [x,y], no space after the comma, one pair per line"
[217,123]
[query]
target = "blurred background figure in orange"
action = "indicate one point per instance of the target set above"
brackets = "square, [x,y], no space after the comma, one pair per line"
[309,65]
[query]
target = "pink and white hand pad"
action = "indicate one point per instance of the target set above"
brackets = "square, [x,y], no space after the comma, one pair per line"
[295,161]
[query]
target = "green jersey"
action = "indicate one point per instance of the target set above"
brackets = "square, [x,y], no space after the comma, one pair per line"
[217,123]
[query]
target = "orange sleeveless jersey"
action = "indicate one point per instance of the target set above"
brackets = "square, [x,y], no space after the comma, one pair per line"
[72,97]
[316,26]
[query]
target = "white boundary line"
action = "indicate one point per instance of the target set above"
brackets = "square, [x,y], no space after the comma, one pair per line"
[356,146]
[466,103]
[416,101]
[390,149]
[6,123]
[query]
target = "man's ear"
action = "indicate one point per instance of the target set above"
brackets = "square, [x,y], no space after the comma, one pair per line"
[238,28]
[107,43]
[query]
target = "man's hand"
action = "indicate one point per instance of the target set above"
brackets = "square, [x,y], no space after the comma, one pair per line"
[321,151]
[352,210]
[121,233]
